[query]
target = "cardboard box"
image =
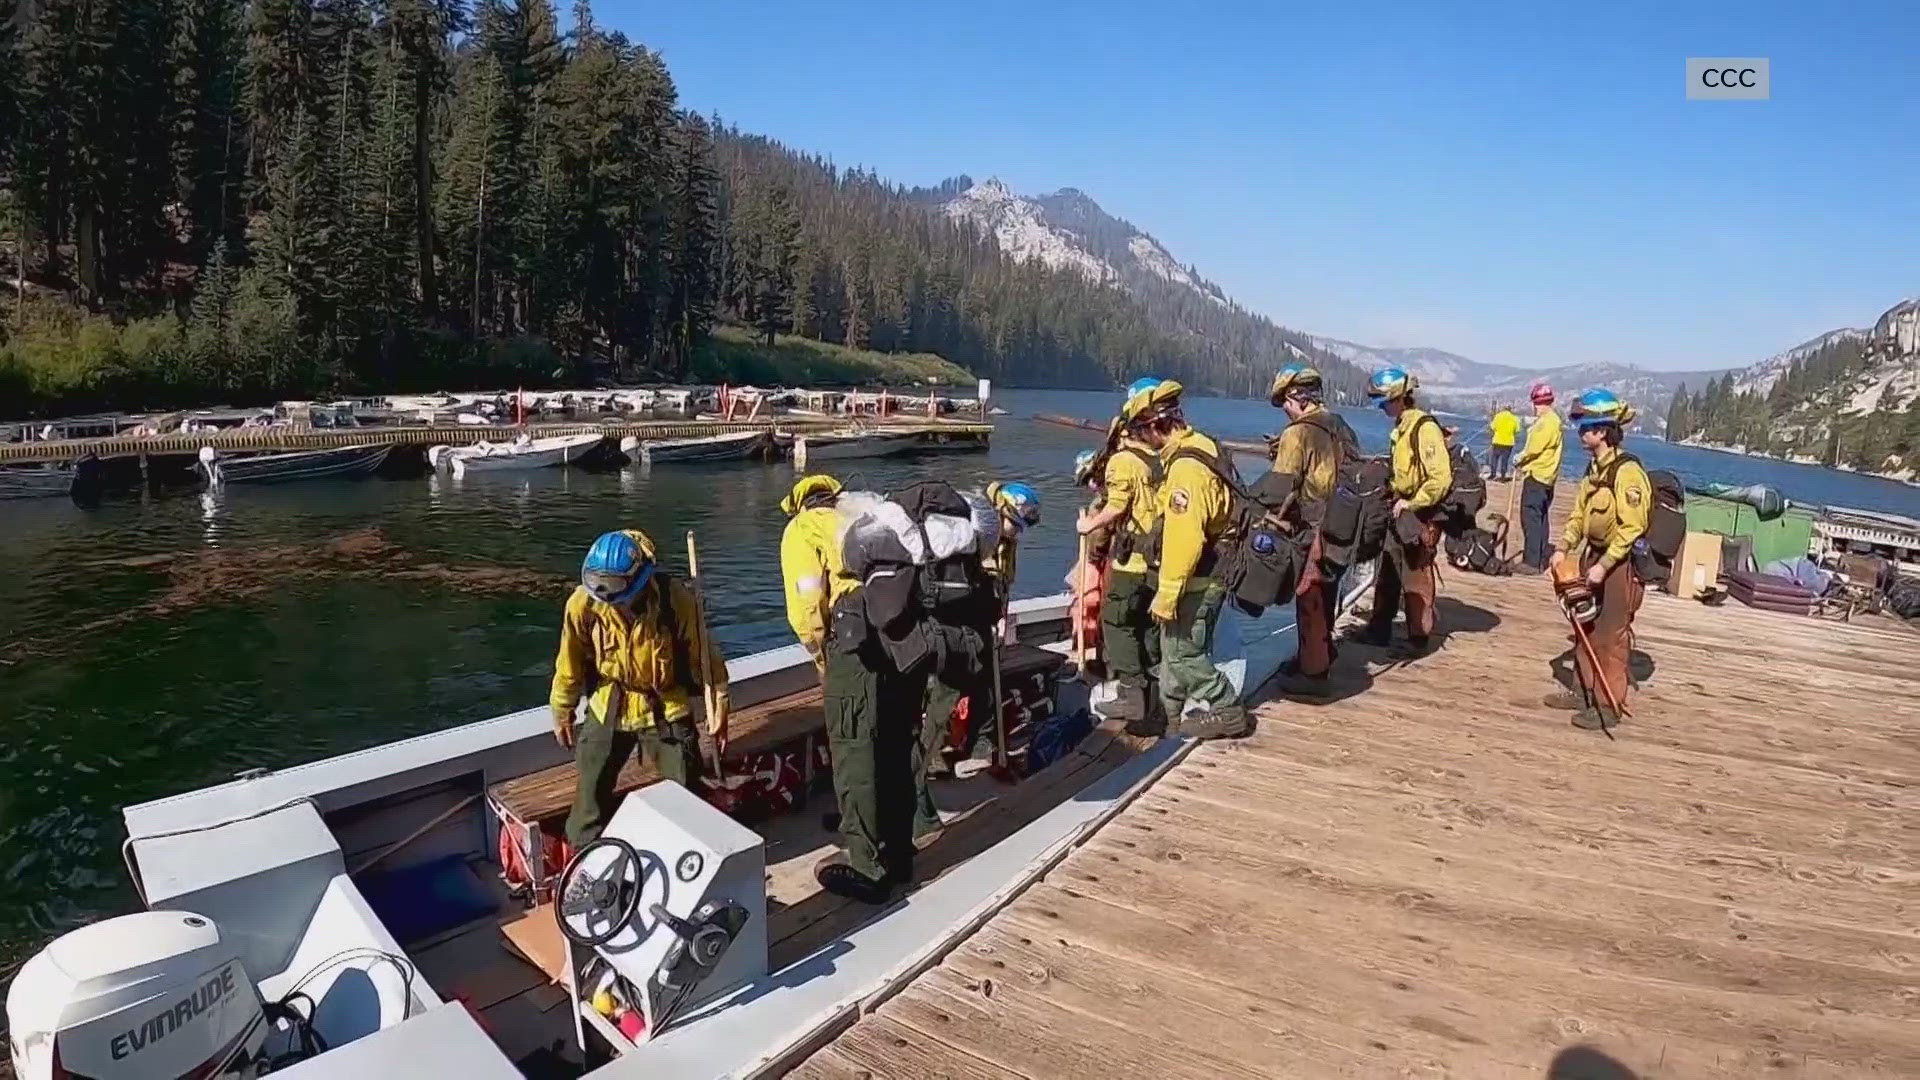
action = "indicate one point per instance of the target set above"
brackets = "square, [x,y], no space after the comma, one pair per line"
[1696,570]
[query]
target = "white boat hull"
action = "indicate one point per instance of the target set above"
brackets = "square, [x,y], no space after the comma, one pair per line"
[808,448]
[539,454]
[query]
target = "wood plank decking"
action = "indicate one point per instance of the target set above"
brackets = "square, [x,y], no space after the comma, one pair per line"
[1435,876]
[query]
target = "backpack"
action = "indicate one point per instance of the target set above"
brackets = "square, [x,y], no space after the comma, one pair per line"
[1257,561]
[1478,550]
[1353,528]
[1654,552]
[920,614]
[1458,509]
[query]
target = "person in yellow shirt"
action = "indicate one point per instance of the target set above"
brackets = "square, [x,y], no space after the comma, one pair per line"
[630,641]
[1504,431]
[1193,503]
[1610,516]
[1421,476]
[1539,465]
[1309,452]
[810,563]
[1129,640]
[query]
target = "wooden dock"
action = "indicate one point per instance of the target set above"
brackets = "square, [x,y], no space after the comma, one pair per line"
[270,439]
[1436,876]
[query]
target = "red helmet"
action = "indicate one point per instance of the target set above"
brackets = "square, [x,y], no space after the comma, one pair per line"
[1542,394]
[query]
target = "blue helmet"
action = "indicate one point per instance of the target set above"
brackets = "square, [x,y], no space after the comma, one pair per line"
[1019,500]
[617,566]
[1599,406]
[1083,463]
[1390,384]
[1141,386]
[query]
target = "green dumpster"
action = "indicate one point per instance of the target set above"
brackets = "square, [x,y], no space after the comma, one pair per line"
[1785,537]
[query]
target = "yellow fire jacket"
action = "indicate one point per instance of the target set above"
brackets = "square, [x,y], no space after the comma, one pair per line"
[1129,487]
[1609,517]
[624,658]
[810,565]
[1422,474]
[1193,510]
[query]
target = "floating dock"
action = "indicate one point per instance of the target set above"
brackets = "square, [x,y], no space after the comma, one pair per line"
[1434,875]
[271,439]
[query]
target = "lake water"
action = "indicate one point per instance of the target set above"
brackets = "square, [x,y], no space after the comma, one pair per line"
[154,646]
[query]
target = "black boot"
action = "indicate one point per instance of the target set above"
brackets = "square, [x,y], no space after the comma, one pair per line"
[840,879]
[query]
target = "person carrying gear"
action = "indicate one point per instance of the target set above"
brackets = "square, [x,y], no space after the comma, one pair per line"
[1018,507]
[1504,430]
[810,561]
[1422,474]
[1610,516]
[1193,506]
[1539,465]
[629,642]
[1129,638]
[1308,452]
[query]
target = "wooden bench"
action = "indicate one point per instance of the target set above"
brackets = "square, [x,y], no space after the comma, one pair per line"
[544,797]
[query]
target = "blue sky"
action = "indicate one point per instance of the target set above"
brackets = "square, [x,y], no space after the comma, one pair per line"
[1523,184]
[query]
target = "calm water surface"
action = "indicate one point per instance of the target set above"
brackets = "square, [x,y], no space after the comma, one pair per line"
[151,647]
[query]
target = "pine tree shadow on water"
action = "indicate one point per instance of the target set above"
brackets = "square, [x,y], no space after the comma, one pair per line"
[1587,1063]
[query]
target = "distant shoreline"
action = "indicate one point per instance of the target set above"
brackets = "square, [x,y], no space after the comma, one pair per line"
[1906,477]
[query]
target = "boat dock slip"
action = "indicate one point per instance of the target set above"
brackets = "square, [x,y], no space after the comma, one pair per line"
[1433,875]
[284,439]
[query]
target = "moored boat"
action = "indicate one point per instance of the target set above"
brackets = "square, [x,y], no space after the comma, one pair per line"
[407,894]
[730,446]
[34,481]
[522,453]
[338,462]
[840,445]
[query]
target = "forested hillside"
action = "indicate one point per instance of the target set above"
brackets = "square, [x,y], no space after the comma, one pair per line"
[216,200]
[1848,398]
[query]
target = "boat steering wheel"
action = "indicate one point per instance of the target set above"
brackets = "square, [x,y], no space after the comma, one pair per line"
[599,888]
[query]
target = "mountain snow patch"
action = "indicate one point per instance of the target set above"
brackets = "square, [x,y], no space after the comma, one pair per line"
[1017,227]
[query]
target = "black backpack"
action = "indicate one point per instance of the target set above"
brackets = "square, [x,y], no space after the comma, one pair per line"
[1258,563]
[1654,552]
[1353,528]
[1458,510]
[1478,550]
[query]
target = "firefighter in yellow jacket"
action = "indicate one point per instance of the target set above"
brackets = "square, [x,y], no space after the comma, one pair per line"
[810,561]
[1308,452]
[630,642]
[1610,515]
[1193,506]
[1422,475]
[1129,640]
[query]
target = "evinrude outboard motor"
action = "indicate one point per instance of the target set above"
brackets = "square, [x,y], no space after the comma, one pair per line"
[673,899]
[152,996]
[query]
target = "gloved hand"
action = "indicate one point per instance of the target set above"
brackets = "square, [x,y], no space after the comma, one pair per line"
[1165,608]
[563,726]
[1597,574]
[1556,557]
[717,719]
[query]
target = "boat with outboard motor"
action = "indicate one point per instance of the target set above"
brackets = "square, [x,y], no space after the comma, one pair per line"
[333,463]
[524,452]
[404,910]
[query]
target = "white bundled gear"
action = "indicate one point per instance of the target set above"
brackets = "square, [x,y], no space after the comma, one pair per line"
[917,556]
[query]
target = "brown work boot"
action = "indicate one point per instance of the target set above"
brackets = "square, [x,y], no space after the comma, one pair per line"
[1219,722]
[1565,699]
[1596,718]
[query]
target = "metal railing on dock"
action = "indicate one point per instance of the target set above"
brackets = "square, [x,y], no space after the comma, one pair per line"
[271,439]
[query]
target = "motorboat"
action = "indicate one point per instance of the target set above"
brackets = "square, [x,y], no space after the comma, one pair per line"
[333,463]
[35,481]
[524,452]
[409,910]
[811,448]
[729,446]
